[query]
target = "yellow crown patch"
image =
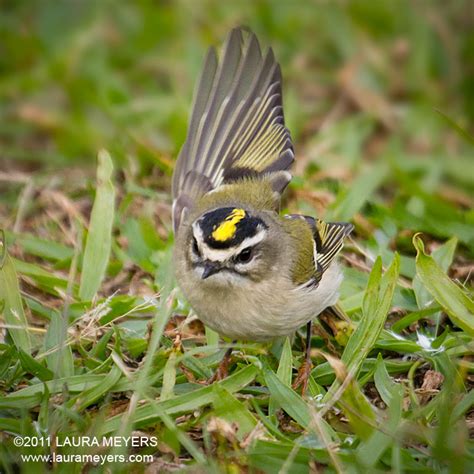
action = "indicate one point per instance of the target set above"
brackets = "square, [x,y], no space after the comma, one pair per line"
[227,228]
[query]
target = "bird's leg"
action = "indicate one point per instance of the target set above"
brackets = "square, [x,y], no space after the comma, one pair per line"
[305,369]
[223,368]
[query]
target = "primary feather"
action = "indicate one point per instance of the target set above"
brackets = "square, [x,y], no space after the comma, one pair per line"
[237,126]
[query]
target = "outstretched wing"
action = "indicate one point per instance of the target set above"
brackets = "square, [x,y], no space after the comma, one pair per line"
[237,126]
[328,241]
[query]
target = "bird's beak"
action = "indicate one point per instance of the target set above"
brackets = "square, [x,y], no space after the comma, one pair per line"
[210,269]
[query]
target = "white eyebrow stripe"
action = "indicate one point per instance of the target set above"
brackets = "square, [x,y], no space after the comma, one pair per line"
[219,255]
[197,233]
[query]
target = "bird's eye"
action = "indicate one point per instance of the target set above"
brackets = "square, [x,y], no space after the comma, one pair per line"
[195,247]
[244,256]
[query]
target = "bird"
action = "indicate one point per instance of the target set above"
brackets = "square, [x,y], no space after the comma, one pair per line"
[248,272]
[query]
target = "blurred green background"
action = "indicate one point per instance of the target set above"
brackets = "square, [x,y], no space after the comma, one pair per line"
[379,98]
[79,75]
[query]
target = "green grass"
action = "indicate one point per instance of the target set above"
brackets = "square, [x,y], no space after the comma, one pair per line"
[95,340]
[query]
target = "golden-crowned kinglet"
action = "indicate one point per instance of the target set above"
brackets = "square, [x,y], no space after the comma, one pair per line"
[248,272]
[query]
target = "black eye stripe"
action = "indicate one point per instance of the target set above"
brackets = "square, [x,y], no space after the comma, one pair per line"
[196,247]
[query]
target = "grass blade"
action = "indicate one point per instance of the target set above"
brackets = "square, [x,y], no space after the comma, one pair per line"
[169,377]
[145,415]
[226,406]
[384,384]
[377,302]
[351,399]
[270,456]
[284,371]
[98,245]
[293,403]
[458,306]
[29,397]
[34,367]
[455,126]
[286,363]
[182,436]
[100,390]
[59,358]
[443,256]
[43,248]
[370,450]
[10,301]
[288,399]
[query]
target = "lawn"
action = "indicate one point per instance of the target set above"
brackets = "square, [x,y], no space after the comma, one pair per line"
[96,339]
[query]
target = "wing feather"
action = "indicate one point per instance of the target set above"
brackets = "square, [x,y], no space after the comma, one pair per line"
[237,125]
[201,97]
[328,242]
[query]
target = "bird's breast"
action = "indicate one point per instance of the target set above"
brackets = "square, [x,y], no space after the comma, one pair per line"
[259,311]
